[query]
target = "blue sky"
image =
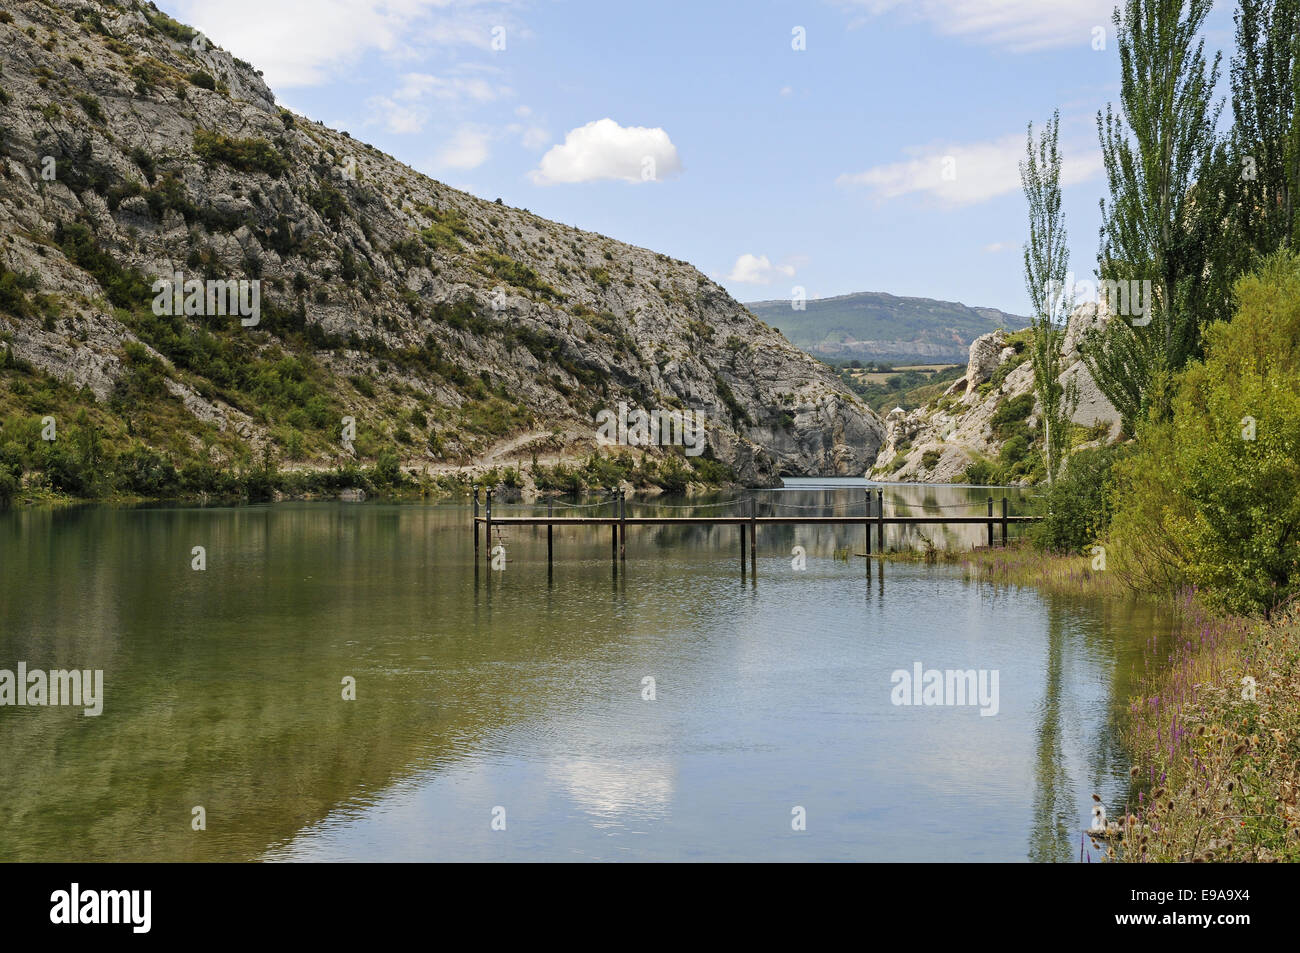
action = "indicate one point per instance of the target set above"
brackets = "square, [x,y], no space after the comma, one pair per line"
[773,167]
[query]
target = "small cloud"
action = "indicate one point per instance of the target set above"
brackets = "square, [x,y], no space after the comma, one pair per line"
[468,149]
[994,247]
[535,137]
[758,270]
[605,150]
[408,109]
[787,92]
[966,174]
[1020,26]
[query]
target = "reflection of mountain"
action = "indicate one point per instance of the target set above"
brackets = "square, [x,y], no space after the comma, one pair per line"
[222,690]
[223,687]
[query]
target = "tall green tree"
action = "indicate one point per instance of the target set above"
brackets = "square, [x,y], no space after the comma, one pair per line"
[1265,76]
[1047,258]
[1163,223]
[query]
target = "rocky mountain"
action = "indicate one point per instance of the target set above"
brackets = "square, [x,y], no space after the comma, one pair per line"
[986,423]
[322,285]
[874,326]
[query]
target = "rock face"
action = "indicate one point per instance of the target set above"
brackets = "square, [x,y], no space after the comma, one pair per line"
[935,444]
[447,326]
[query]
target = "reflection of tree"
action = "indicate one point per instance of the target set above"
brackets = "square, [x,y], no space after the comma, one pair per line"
[1054,808]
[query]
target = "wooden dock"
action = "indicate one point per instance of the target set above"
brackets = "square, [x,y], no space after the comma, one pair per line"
[747,519]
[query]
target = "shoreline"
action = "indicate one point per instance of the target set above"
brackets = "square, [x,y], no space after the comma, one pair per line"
[1214,735]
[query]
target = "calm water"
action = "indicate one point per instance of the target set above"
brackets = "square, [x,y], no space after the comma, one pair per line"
[517,691]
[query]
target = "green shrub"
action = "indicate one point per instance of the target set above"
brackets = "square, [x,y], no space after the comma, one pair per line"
[1079,503]
[1209,498]
[246,155]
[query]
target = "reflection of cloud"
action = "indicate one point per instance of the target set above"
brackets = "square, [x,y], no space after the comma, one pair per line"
[612,788]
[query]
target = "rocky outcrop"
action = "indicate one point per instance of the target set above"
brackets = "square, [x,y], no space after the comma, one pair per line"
[935,444]
[444,325]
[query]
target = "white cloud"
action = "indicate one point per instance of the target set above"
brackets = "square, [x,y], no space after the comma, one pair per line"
[967,174]
[994,248]
[758,270]
[409,107]
[1016,25]
[306,42]
[468,149]
[605,150]
[535,137]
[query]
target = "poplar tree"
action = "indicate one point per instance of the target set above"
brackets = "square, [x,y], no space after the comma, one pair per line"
[1266,129]
[1167,172]
[1047,258]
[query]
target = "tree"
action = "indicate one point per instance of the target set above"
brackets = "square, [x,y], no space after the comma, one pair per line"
[1266,130]
[1163,235]
[1208,496]
[1046,259]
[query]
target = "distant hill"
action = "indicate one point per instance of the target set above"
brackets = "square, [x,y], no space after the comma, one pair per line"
[873,326]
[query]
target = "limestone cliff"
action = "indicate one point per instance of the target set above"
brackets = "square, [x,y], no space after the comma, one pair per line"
[980,415]
[448,327]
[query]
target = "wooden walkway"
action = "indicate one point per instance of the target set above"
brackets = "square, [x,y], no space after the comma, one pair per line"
[747,520]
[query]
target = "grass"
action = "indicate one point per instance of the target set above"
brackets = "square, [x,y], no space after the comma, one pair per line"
[1216,744]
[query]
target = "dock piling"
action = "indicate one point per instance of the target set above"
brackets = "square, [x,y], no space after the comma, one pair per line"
[866,523]
[1004,522]
[753,535]
[880,521]
[990,523]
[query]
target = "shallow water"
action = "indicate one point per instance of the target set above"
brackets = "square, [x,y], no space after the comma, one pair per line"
[519,694]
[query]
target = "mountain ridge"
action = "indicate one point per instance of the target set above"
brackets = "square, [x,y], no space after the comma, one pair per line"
[880,326]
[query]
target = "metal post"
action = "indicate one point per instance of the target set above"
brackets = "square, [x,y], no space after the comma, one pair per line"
[990,525]
[742,549]
[866,523]
[487,525]
[550,531]
[753,535]
[613,537]
[622,528]
[880,521]
[476,525]
[1004,522]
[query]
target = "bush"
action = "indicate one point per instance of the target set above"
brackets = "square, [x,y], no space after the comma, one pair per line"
[246,155]
[1079,503]
[1209,498]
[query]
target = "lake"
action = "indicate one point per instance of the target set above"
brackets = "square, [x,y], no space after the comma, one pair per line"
[510,715]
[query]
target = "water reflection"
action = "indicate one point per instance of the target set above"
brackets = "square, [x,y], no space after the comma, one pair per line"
[523,689]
